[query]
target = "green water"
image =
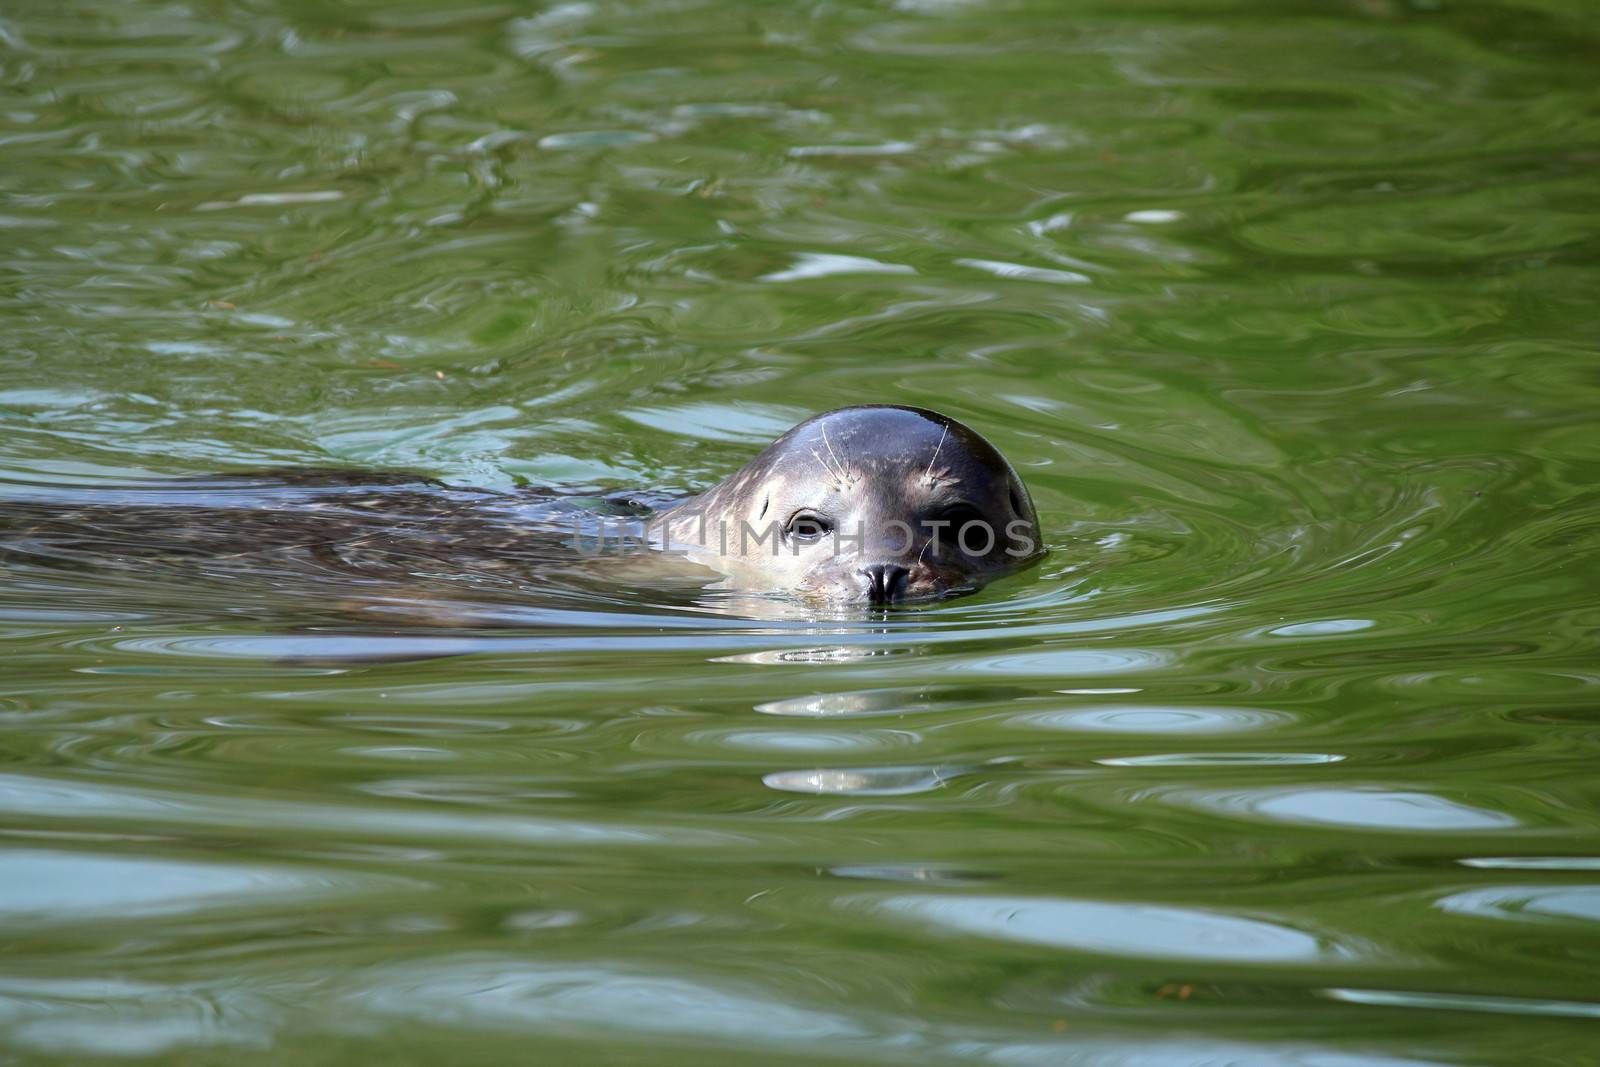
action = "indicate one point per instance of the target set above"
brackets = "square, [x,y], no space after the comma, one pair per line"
[1285,311]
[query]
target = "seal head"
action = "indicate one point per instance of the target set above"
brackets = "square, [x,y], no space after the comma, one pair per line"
[876,504]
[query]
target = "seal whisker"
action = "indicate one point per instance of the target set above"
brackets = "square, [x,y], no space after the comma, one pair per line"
[924,551]
[927,475]
[836,461]
[831,472]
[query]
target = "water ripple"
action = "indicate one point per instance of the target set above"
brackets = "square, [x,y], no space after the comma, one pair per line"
[1368,808]
[1120,929]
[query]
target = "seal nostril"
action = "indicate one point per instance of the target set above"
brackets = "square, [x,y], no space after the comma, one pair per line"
[885,582]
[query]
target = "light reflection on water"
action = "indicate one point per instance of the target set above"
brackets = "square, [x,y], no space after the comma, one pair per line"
[1117,929]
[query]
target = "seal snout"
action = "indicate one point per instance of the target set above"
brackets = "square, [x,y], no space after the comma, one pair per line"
[885,582]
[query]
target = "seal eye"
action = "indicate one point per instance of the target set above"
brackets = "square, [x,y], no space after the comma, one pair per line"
[807,527]
[958,515]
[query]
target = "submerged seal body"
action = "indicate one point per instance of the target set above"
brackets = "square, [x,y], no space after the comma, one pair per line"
[876,504]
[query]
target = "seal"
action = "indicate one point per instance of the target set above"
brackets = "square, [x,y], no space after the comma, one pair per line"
[878,503]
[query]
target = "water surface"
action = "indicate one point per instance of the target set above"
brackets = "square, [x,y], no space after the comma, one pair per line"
[1285,311]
